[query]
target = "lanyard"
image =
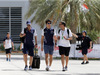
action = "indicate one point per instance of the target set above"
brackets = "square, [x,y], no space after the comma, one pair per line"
[62,32]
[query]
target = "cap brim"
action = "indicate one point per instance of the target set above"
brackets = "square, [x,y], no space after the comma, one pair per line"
[28,23]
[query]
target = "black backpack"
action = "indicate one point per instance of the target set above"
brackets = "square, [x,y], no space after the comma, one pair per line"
[22,39]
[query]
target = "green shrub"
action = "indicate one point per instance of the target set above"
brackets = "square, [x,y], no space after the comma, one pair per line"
[19,49]
[2,48]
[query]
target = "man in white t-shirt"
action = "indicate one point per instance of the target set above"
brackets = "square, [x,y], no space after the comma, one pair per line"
[8,44]
[64,37]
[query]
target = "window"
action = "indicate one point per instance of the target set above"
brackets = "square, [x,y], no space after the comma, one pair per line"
[10,21]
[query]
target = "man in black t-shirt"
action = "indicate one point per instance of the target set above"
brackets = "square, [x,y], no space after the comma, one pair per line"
[86,44]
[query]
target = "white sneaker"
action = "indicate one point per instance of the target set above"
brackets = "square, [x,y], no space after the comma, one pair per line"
[49,68]
[66,68]
[30,67]
[26,68]
[63,69]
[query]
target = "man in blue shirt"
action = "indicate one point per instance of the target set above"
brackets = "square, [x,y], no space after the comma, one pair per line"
[29,34]
[48,36]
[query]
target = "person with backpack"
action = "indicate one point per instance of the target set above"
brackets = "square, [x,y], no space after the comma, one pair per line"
[29,34]
[64,37]
[48,37]
[8,45]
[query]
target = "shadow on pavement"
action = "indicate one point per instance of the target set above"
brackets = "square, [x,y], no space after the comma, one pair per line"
[12,70]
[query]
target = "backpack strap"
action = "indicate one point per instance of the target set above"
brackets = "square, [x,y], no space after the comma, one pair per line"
[25,30]
[33,30]
[59,31]
[53,30]
[68,32]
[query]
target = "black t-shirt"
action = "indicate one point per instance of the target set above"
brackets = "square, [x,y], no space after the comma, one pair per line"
[86,41]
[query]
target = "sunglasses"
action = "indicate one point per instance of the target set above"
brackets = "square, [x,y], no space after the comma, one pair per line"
[48,23]
[60,24]
[28,25]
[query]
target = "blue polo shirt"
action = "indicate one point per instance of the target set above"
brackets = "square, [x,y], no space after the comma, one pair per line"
[29,38]
[48,36]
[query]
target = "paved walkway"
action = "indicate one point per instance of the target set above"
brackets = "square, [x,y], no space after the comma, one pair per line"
[16,66]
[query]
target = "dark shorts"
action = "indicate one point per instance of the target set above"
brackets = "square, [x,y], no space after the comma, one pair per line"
[84,51]
[64,50]
[28,50]
[48,49]
[8,50]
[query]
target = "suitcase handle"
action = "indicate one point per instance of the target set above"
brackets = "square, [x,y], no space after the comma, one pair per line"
[35,50]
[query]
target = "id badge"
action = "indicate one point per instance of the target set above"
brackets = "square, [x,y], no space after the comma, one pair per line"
[62,37]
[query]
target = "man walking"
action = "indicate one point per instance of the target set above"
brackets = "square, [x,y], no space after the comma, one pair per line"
[86,44]
[29,34]
[64,37]
[48,37]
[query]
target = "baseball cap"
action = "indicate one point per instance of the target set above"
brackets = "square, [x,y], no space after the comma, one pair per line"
[28,22]
[84,31]
[8,32]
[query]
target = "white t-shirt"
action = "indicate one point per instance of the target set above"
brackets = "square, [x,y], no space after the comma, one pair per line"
[63,42]
[35,33]
[8,43]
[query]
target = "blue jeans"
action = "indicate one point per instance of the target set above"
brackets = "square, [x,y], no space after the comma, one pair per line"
[48,49]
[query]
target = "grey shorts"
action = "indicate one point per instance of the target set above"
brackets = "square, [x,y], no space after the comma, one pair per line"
[48,49]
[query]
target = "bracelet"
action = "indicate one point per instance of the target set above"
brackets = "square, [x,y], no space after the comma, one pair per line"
[36,44]
[55,43]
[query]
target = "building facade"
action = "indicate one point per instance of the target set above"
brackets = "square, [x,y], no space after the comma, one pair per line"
[12,19]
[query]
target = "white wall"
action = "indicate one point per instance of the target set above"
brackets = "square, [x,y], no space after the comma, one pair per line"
[25,5]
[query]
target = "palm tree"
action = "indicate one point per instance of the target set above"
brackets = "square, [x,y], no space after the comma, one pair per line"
[69,11]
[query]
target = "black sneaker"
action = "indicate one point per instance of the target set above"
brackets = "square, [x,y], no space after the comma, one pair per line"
[82,63]
[30,67]
[63,69]
[26,68]
[87,62]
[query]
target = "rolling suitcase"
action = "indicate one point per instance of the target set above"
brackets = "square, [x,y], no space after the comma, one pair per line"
[36,60]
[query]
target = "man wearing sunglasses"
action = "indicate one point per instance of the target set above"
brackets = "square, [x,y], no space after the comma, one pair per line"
[64,35]
[48,37]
